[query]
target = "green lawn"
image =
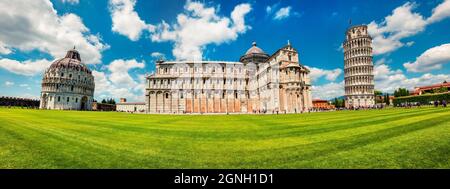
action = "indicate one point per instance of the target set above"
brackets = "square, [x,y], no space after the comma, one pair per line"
[392,138]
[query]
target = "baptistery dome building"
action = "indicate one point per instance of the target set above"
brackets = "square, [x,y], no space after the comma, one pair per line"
[67,84]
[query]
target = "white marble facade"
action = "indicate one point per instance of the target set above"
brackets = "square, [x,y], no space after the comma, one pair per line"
[258,83]
[67,84]
[358,68]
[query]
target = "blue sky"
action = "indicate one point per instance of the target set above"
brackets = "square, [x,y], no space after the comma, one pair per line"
[121,39]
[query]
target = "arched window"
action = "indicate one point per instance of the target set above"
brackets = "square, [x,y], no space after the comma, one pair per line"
[68,99]
[167,95]
[59,98]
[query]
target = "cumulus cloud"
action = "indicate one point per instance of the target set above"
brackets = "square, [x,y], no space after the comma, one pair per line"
[330,75]
[117,81]
[283,13]
[126,21]
[431,59]
[119,72]
[441,12]
[199,26]
[401,24]
[388,80]
[328,91]
[27,68]
[35,25]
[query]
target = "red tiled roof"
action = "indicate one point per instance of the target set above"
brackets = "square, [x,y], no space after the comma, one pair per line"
[433,86]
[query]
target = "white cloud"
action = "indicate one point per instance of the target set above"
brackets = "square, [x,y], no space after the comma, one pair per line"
[126,21]
[9,83]
[199,26]
[73,2]
[388,80]
[401,24]
[270,9]
[35,25]
[119,72]
[27,68]
[27,96]
[118,83]
[431,59]
[158,55]
[328,91]
[383,61]
[330,75]
[441,12]
[409,44]
[3,49]
[283,13]
[25,86]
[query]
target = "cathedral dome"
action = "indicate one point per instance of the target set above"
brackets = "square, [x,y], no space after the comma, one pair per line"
[254,54]
[68,84]
[254,50]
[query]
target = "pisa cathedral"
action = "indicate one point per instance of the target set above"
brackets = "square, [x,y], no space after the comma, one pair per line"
[358,68]
[258,83]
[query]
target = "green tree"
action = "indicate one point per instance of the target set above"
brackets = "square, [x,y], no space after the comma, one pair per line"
[378,93]
[401,92]
[103,101]
[386,99]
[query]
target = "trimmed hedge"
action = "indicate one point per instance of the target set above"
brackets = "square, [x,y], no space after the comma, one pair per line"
[422,99]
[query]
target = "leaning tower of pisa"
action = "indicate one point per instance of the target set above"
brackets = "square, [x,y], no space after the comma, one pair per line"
[358,68]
